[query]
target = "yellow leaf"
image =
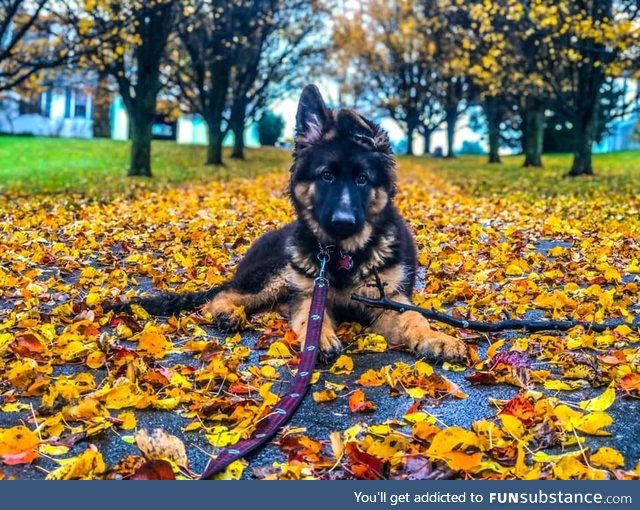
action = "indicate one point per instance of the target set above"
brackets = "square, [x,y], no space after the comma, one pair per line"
[600,403]
[557,385]
[139,312]
[351,434]
[89,464]
[607,458]
[268,372]
[5,340]
[221,437]
[623,330]
[379,430]
[96,359]
[93,298]
[86,409]
[369,343]
[128,420]
[268,397]
[329,385]
[514,270]
[424,430]
[512,425]
[493,349]
[390,446]
[453,367]
[278,350]
[416,393]
[568,468]
[545,457]
[337,445]
[423,368]
[154,344]
[192,427]
[594,423]
[342,366]
[124,394]
[371,378]
[324,396]
[166,404]
[14,407]
[453,438]
[419,417]
[53,451]
[232,472]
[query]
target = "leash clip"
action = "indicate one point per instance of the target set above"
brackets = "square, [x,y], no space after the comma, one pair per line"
[324,256]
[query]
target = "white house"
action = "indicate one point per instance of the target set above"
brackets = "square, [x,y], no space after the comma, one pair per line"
[64,110]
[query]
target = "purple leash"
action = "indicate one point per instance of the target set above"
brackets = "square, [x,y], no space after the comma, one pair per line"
[287,405]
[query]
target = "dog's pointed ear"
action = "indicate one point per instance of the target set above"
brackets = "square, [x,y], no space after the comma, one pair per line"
[355,127]
[362,131]
[312,113]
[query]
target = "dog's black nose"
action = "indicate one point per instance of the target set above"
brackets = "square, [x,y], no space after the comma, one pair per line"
[343,219]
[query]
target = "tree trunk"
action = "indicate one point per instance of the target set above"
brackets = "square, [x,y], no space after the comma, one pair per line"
[427,141]
[410,129]
[451,120]
[587,97]
[153,25]
[492,112]
[238,141]
[141,124]
[214,149]
[532,132]
[214,113]
[102,108]
[582,158]
[238,112]
[590,77]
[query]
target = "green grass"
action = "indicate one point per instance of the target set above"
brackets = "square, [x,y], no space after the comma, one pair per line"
[54,165]
[614,173]
[98,167]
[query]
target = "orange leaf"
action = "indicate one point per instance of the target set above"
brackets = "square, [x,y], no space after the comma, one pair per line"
[359,404]
[18,445]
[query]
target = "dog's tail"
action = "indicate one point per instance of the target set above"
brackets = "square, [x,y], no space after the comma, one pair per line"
[168,303]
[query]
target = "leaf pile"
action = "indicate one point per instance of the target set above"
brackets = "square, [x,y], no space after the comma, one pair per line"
[88,394]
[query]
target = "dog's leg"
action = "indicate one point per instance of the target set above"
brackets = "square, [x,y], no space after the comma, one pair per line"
[413,330]
[225,307]
[330,345]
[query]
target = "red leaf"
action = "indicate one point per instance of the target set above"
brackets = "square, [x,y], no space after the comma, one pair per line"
[154,470]
[520,407]
[365,465]
[27,346]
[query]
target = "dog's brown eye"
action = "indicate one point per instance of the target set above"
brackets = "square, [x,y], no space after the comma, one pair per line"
[327,176]
[362,180]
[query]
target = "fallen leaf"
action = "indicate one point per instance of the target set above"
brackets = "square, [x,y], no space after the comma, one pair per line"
[159,445]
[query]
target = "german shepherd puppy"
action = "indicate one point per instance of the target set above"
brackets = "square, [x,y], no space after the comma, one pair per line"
[343,181]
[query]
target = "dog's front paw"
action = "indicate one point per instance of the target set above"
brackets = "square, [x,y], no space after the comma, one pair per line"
[225,316]
[230,322]
[330,346]
[441,347]
[434,345]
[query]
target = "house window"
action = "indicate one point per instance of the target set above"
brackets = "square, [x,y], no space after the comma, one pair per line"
[81,104]
[29,104]
[46,103]
[67,103]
